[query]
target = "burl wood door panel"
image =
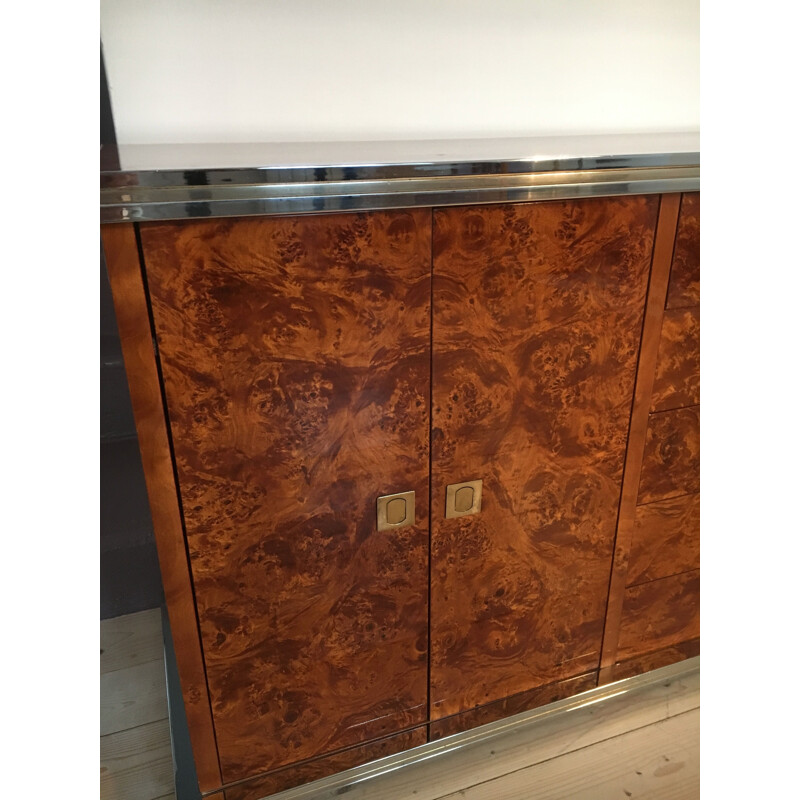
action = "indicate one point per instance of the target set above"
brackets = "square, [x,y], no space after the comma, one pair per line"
[537,320]
[684,279]
[296,363]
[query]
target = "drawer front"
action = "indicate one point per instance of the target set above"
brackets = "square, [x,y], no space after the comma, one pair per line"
[655,660]
[666,539]
[671,464]
[660,614]
[677,378]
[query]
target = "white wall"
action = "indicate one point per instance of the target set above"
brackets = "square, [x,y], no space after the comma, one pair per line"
[305,70]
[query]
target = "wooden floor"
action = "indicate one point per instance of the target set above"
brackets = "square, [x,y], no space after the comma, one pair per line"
[135,750]
[644,744]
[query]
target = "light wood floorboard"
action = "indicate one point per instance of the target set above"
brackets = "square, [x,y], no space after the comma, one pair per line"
[133,696]
[135,748]
[658,762]
[137,763]
[130,640]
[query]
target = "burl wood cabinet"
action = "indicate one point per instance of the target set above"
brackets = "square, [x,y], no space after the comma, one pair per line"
[286,371]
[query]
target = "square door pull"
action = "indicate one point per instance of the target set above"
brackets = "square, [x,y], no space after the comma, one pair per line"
[395,511]
[463,499]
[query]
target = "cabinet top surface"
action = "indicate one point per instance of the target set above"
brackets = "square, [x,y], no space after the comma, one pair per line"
[153,182]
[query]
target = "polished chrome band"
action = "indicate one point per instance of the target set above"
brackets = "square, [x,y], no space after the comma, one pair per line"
[162,194]
[338,784]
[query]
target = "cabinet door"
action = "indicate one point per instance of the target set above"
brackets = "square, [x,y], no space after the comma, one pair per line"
[295,355]
[537,319]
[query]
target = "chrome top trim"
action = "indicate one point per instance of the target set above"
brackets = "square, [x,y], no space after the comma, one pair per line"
[149,158]
[148,182]
[336,785]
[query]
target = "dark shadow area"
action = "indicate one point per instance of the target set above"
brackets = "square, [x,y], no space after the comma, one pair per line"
[130,579]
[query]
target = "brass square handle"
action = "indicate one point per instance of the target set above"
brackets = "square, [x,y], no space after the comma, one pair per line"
[395,511]
[463,499]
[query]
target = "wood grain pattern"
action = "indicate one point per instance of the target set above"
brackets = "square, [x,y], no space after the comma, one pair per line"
[295,355]
[651,661]
[666,539]
[671,463]
[509,706]
[660,614]
[677,381]
[651,332]
[259,788]
[130,305]
[537,317]
[684,282]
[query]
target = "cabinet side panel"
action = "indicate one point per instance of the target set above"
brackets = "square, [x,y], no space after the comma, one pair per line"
[296,361]
[537,319]
[130,303]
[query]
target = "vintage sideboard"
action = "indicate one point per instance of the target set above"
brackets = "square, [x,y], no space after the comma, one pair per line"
[420,429]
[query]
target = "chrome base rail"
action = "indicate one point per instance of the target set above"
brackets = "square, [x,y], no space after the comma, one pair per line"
[339,783]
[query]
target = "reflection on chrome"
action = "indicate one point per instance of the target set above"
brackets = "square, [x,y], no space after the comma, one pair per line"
[174,183]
